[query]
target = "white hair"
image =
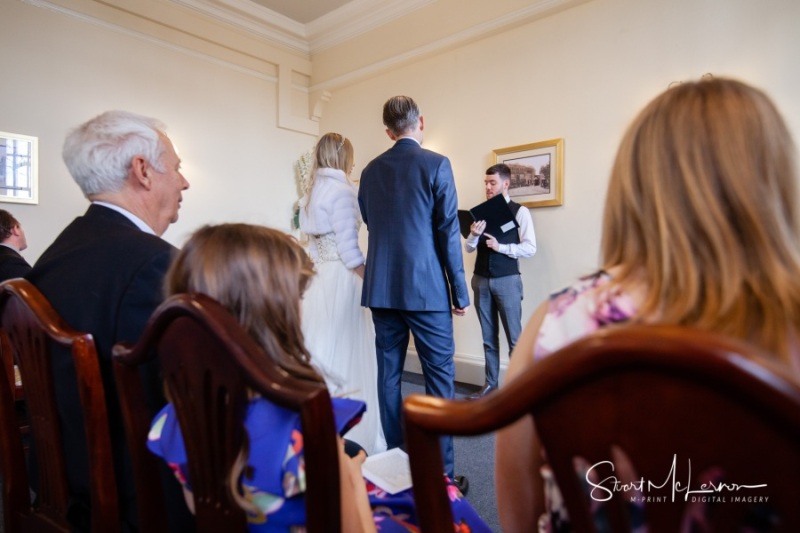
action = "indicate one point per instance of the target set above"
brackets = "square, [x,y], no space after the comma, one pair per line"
[98,153]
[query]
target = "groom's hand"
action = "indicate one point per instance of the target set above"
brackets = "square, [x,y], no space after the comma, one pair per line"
[460,311]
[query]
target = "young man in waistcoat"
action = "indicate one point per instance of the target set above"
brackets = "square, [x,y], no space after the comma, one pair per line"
[496,282]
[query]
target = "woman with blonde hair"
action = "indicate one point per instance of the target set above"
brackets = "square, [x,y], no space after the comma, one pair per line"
[260,275]
[700,229]
[338,331]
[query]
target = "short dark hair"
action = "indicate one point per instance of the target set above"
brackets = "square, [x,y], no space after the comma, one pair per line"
[500,169]
[400,114]
[7,224]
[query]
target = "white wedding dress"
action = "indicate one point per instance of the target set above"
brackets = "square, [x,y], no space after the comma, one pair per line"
[338,332]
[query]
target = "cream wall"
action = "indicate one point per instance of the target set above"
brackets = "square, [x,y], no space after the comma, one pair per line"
[581,74]
[60,70]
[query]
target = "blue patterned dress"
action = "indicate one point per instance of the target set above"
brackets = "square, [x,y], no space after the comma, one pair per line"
[276,481]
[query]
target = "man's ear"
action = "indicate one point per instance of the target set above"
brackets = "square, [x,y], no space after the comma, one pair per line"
[390,134]
[421,123]
[140,170]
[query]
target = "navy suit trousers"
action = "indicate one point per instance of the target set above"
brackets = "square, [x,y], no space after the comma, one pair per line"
[433,338]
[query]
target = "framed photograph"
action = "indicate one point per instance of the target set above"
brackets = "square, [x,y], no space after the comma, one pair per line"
[19,177]
[537,172]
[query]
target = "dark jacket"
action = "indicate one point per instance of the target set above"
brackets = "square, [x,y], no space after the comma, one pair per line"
[408,201]
[104,276]
[12,265]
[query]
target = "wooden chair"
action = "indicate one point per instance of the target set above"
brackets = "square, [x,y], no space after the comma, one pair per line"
[660,394]
[10,369]
[28,326]
[208,361]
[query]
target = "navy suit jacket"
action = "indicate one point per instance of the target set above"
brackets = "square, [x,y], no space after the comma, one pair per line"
[12,265]
[408,200]
[104,276]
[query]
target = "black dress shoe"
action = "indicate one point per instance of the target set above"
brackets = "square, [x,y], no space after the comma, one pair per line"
[462,484]
[481,393]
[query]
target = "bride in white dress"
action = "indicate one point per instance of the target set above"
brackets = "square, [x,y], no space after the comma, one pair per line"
[338,331]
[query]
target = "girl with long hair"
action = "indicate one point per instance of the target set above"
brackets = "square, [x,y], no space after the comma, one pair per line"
[260,275]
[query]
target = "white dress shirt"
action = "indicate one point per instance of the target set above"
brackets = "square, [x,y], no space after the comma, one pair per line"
[141,224]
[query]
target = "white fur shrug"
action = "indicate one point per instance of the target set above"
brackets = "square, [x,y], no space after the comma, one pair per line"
[333,207]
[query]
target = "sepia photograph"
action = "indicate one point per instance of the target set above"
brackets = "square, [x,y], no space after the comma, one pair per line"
[537,172]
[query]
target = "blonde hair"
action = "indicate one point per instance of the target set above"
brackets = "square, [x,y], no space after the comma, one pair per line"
[259,274]
[700,214]
[333,150]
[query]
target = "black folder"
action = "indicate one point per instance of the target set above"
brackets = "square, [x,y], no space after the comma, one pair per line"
[495,211]
[465,220]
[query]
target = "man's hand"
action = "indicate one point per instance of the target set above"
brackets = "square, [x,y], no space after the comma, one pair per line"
[492,243]
[477,228]
[460,311]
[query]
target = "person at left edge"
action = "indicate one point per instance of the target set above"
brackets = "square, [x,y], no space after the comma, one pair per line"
[12,242]
[104,274]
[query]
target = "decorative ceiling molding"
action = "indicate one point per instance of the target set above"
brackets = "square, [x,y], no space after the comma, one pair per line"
[49,5]
[538,9]
[284,77]
[255,19]
[356,17]
[346,22]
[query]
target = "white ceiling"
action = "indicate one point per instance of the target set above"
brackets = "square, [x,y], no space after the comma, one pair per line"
[302,11]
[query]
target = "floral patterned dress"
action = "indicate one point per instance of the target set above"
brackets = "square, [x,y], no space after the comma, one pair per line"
[580,309]
[572,313]
[276,477]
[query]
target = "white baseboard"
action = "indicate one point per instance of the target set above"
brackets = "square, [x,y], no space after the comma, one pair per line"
[469,369]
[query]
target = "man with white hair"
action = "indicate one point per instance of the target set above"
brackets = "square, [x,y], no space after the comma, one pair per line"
[104,274]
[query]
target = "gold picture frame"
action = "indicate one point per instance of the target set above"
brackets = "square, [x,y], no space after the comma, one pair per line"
[537,172]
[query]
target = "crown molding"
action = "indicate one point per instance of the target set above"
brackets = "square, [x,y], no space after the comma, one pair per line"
[356,17]
[538,9]
[284,79]
[346,22]
[255,19]
[52,6]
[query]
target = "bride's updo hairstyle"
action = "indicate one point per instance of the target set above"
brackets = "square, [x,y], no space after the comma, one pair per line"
[259,274]
[700,215]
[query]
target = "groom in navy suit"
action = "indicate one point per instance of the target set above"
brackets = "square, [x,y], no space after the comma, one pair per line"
[414,274]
